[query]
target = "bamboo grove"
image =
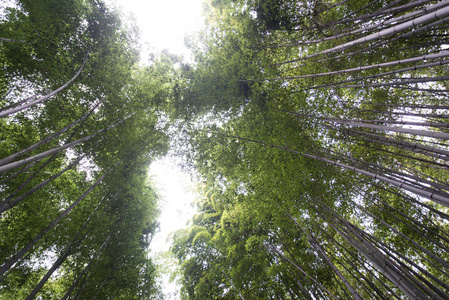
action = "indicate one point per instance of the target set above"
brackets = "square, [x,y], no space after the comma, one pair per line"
[319,131]
[78,128]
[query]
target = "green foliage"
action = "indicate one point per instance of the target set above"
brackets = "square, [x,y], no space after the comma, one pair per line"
[316,184]
[103,240]
[295,109]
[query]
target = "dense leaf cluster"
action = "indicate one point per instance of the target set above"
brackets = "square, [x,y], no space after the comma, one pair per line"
[325,165]
[318,130]
[78,132]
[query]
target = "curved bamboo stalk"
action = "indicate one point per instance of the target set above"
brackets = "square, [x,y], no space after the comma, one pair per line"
[13,156]
[375,66]
[300,269]
[385,84]
[434,195]
[440,13]
[47,153]
[361,30]
[16,257]
[9,203]
[41,99]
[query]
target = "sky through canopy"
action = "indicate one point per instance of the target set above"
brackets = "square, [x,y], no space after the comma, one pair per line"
[164,25]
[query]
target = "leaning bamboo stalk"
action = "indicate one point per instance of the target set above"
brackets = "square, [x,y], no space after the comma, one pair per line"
[103,284]
[413,228]
[16,257]
[379,44]
[381,13]
[41,99]
[347,55]
[432,134]
[97,254]
[409,114]
[358,123]
[385,84]
[434,195]
[393,174]
[441,214]
[400,256]
[409,176]
[320,250]
[13,156]
[382,266]
[40,168]
[78,278]
[424,124]
[21,101]
[411,221]
[361,30]
[431,289]
[373,254]
[415,244]
[440,13]
[363,264]
[57,264]
[414,147]
[47,153]
[9,203]
[400,105]
[14,175]
[371,288]
[376,66]
[352,267]
[429,163]
[42,155]
[300,269]
[365,17]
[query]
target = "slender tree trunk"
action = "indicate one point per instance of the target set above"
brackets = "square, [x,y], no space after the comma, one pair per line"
[12,157]
[300,269]
[41,99]
[321,251]
[412,242]
[440,13]
[98,290]
[45,154]
[12,40]
[434,195]
[16,257]
[233,286]
[377,259]
[398,82]
[380,44]
[350,121]
[414,147]
[314,243]
[57,264]
[364,68]
[432,134]
[21,101]
[363,264]
[9,203]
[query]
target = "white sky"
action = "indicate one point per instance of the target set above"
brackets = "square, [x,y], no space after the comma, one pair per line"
[164,23]
[177,192]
